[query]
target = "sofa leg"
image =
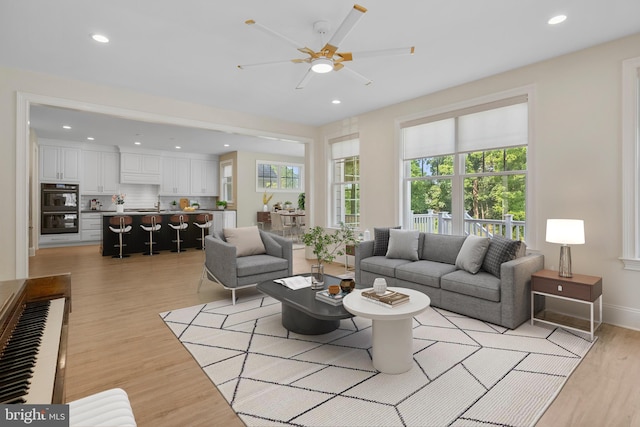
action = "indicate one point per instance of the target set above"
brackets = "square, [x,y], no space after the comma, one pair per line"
[204,271]
[233,296]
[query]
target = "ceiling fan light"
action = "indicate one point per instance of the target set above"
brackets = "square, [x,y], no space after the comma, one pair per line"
[321,65]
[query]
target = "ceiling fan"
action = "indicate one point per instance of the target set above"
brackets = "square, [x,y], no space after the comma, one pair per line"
[328,58]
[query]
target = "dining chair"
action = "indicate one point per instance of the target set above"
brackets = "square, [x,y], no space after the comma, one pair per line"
[278,225]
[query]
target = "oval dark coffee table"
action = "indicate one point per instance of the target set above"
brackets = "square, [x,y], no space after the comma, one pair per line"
[301,312]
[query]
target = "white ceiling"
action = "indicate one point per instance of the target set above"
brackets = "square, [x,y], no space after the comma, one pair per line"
[189,50]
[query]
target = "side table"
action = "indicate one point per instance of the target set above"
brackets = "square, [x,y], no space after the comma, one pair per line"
[579,288]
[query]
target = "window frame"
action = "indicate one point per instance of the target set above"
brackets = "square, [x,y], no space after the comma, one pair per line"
[497,100]
[278,166]
[631,164]
[224,164]
[334,186]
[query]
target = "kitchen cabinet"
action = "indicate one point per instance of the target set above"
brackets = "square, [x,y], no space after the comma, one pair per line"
[175,176]
[101,172]
[91,227]
[139,168]
[204,177]
[59,163]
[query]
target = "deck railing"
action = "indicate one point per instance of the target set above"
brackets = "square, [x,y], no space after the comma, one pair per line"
[442,223]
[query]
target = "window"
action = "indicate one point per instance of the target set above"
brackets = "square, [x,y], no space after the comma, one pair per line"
[465,171]
[276,176]
[631,164]
[226,180]
[345,181]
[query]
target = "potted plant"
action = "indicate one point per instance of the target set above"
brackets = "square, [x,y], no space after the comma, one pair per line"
[265,201]
[174,205]
[301,201]
[287,205]
[326,246]
[118,199]
[221,204]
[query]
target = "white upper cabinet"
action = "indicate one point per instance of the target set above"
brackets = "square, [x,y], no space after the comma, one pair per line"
[101,172]
[175,176]
[139,168]
[59,163]
[204,177]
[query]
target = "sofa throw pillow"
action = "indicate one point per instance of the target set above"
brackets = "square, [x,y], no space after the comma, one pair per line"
[403,244]
[500,250]
[247,240]
[472,253]
[381,240]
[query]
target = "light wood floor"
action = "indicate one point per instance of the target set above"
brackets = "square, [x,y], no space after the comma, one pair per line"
[117,339]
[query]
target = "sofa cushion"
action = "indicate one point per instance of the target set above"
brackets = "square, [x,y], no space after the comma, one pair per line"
[381,265]
[441,247]
[381,240]
[247,240]
[500,250]
[472,253]
[403,244]
[259,264]
[482,285]
[427,273]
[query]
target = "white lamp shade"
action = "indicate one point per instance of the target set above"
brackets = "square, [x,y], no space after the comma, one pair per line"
[322,65]
[565,231]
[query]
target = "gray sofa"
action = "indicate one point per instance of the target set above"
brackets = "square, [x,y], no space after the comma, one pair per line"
[503,298]
[235,272]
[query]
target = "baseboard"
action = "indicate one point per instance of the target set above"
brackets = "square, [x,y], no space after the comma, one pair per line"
[617,315]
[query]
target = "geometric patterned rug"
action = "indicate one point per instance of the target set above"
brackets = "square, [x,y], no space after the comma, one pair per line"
[465,372]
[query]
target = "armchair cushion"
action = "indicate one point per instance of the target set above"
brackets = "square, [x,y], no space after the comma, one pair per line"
[246,240]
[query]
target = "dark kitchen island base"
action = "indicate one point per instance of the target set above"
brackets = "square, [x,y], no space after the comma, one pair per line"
[137,239]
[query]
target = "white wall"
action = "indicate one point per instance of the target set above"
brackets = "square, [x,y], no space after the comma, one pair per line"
[14,255]
[574,170]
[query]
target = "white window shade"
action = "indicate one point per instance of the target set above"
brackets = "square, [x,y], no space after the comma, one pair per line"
[429,139]
[344,149]
[497,128]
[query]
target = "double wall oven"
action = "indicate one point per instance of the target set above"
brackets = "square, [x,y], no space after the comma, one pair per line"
[59,208]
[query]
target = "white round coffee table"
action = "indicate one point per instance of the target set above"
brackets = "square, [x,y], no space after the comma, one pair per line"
[392,331]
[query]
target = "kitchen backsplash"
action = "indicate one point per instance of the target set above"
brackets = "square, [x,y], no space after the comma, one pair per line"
[140,196]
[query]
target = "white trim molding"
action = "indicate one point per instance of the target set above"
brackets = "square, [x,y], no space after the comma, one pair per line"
[630,164]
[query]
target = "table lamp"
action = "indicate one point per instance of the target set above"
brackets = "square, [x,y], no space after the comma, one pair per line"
[565,232]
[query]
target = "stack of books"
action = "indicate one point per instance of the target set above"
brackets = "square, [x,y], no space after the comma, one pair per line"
[388,299]
[325,296]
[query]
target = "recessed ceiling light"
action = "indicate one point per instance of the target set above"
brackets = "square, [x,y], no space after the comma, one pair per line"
[100,38]
[138,143]
[90,138]
[557,19]
[336,101]
[178,147]
[226,145]
[66,127]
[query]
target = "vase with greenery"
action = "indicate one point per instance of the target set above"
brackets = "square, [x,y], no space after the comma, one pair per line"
[301,201]
[221,204]
[326,245]
[265,201]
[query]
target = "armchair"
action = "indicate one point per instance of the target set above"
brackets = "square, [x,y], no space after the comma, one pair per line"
[233,272]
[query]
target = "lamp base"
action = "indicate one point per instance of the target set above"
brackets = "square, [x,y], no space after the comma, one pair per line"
[564,268]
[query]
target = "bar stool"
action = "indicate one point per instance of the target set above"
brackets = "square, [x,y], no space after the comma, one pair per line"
[151,223]
[204,222]
[120,224]
[178,222]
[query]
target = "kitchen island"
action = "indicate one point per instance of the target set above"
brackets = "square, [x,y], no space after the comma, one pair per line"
[164,238]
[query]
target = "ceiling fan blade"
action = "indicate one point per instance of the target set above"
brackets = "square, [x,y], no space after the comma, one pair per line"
[381,52]
[305,79]
[276,34]
[367,81]
[260,64]
[343,30]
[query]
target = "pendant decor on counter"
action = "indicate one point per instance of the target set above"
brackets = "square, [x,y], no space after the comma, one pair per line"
[119,208]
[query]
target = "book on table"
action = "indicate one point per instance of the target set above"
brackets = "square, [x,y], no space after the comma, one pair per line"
[295,282]
[325,296]
[389,298]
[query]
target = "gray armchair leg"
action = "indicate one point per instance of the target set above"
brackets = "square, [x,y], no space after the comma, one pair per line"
[233,296]
[204,271]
